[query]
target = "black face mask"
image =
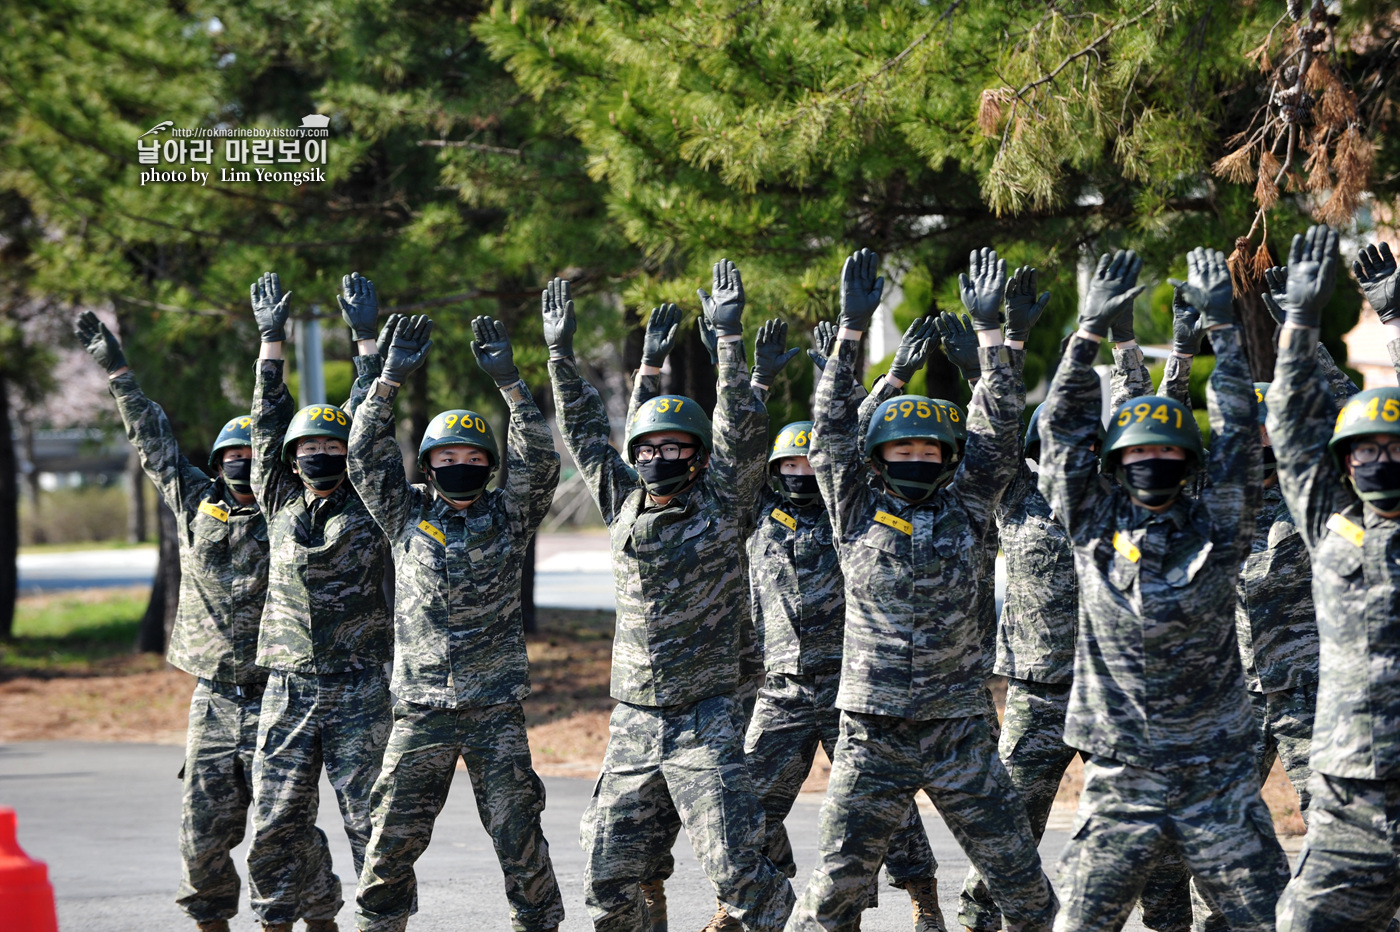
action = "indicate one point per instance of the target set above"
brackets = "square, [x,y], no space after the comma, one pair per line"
[1270,463]
[665,477]
[460,481]
[1153,482]
[800,490]
[911,480]
[237,475]
[1378,484]
[321,471]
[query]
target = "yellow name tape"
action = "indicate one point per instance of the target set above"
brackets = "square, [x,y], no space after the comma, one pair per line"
[889,520]
[785,519]
[1347,529]
[1125,546]
[433,532]
[214,511]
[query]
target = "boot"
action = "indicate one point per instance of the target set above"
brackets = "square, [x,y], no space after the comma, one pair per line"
[923,893]
[321,925]
[654,892]
[721,921]
[214,925]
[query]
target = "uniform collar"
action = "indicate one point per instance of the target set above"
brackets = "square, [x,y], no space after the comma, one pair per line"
[331,500]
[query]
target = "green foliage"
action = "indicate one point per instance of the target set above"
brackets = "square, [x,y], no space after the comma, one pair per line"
[71,632]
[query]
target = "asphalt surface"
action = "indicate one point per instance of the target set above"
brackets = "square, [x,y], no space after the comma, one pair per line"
[105,817]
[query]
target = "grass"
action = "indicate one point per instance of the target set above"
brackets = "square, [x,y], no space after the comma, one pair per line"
[73,632]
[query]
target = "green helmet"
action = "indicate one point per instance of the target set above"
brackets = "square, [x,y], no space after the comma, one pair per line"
[315,421]
[1151,420]
[1374,411]
[1261,390]
[793,440]
[957,419]
[670,412]
[911,417]
[236,433]
[458,427]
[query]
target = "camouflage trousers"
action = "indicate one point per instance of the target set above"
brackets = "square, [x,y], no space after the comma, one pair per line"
[687,762]
[1348,876]
[339,721]
[1132,818]
[1033,749]
[412,788]
[792,716]
[880,763]
[1283,724]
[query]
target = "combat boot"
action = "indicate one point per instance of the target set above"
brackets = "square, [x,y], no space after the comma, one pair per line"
[721,921]
[214,925]
[321,925]
[654,892]
[923,893]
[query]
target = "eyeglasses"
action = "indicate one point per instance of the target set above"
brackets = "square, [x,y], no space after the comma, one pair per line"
[312,447]
[1368,451]
[670,452]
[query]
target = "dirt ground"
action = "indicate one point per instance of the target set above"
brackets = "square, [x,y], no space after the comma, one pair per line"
[139,698]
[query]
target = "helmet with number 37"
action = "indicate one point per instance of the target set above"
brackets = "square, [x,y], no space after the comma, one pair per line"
[670,412]
[315,421]
[458,427]
[1151,420]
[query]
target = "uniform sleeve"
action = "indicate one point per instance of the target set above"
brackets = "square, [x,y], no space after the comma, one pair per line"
[644,389]
[991,459]
[883,392]
[583,420]
[1176,378]
[834,451]
[1394,347]
[1341,384]
[273,482]
[375,464]
[737,463]
[1129,378]
[1069,423]
[534,463]
[1302,415]
[367,369]
[1235,464]
[182,485]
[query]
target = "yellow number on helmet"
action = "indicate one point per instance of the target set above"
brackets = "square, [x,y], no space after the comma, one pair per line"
[890,412]
[923,409]
[801,439]
[450,421]
[678,406]
[1259,396]
[340,418]
[313,413]
[480,425]
[953,415]
[1124,416]
[1178,417]
[1373,409]
[1140,411]
[245,422]
[1160,415]
[1391,411]
[906,408]
[663,406]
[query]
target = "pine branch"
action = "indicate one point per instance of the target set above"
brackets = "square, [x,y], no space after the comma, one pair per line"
[1090,49]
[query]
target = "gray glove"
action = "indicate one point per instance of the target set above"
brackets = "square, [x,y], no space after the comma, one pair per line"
[408,348]
[823,338]
[1187,326]
[960,344]
[359,305]
[386,334]
[1312,274]
[708,337]
[1110,291]
[1207,287]
[860,290]
[557,307]
[1023,308]
[99,342]
[662,327]
[270,308]
[1378,274]
[770,353]
[913,348]
[492,350]
[1277,280]
[982,291]
[725,307]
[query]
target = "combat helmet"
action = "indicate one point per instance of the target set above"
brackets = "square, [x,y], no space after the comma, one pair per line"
[315,421]
[670,412]
[236,433]
[794,439]
[458,427]
[1374,411]
[910,417]
[1151,420]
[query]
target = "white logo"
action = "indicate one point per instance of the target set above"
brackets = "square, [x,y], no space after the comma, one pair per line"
[163,124]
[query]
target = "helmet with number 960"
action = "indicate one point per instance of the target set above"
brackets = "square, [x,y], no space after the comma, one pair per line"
[1374,411]
[669,412]
[1151,420]
[315,421]
[794,439]
[458,427]
[911,417]
[236,433]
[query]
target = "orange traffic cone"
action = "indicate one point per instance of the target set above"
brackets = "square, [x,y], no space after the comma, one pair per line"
[26,896]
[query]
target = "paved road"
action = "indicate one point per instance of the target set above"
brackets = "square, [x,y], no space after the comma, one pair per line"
[105,817]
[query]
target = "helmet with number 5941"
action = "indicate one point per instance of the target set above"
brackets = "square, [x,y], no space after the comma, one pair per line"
[1151,420]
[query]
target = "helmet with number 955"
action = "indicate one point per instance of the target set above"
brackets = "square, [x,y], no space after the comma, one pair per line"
[1151,420]
[669,412]
[315,421]
[458,427]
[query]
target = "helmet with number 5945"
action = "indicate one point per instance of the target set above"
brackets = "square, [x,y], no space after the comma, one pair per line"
[1374,411]
[315,421]
[1151,420]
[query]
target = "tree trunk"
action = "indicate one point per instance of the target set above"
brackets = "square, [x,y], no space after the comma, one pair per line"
[136,498]
[9,517]
[159,619]
[1256,335]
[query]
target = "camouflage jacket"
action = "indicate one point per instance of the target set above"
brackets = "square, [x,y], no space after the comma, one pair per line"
[681,603]
[913,640]
[325,611]
[1157,675]
[223,550]
[1356,575]
[459,641]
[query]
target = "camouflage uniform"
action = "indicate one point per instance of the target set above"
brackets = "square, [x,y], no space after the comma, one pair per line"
[326,637]
[223,581]
[676,740]
[913,690]
[1158,698]
[1349,874]
[460,669]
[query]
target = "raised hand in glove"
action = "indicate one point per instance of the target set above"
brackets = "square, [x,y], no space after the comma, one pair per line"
[1207,287]
[99,342]
[1312,274]
[725,305]
[983,287]
[408,348]
[960,344]
[1112,289]
[1378,274]
[1023,308]
[708,337]
[492,350]
[386,334]
[270,307]
[1187,326]
[557,308]
[662,327]
[770,353]
[860,290]
[359,305]
[823,338]
[914,346]
[1276,279]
